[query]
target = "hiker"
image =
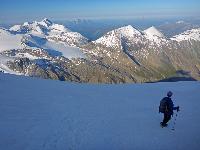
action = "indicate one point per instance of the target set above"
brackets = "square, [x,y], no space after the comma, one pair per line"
[167,107]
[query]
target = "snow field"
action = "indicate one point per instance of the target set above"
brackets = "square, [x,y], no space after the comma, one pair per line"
[45,114]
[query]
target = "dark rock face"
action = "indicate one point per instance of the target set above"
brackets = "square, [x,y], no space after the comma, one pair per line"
[19,65]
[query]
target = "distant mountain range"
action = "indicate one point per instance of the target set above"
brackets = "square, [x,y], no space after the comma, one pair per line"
[49,50]
[94,29]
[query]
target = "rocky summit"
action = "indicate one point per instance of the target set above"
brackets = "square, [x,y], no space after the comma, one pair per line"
[124,55]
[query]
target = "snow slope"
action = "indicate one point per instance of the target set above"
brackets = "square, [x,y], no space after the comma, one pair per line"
[40,114]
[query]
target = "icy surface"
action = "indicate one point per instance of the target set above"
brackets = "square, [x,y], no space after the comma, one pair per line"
[52,115]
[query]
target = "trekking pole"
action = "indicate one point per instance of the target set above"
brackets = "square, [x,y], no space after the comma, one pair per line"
[174,123]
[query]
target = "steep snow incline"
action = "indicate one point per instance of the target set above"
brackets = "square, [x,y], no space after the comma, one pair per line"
[51,115]
[193,34]
[9,41]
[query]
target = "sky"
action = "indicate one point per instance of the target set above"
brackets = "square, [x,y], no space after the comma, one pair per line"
[23,10]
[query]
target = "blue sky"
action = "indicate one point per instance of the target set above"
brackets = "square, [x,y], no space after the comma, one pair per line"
[21,10]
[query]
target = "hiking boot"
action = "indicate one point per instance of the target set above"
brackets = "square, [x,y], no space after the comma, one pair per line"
[163,124]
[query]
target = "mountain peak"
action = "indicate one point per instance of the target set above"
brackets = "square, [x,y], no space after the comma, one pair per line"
[46,22]
[26,23]
[130,27]
[152,31]
[115,37]
[129,31]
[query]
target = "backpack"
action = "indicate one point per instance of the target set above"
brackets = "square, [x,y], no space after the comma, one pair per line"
[163,105]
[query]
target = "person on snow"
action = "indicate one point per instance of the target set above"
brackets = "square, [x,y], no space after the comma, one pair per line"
[167,107]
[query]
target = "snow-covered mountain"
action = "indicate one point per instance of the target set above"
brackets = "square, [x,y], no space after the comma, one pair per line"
[151,35]
[54,38]
[49,50]
[36,48]
[133,36]
[115,38]
[45,27]
[193,34]
[40,114]
[52,31]
[41,27]
[149,50]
